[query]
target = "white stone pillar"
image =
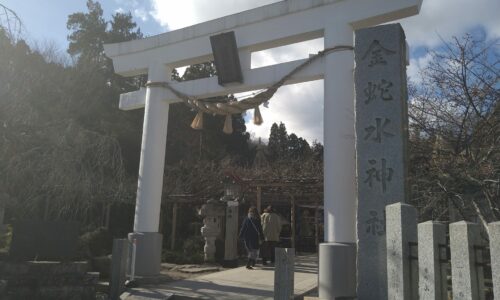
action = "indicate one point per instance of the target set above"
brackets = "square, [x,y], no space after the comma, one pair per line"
[337,266]
[149,190]
[339,156]
[154,140]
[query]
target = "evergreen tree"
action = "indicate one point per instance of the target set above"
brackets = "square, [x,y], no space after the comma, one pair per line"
[298,148]
[317,151]
[273,143]
[123,28]
[96,86]
[278,142]
[88,33]
[282,140]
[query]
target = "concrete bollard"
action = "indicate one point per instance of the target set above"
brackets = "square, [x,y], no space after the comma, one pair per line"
[284,273]
[466,261]
[402,268]
[432,250]
[494,229]
[119,262]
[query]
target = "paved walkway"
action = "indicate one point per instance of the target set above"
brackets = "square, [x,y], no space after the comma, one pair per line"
[234,284]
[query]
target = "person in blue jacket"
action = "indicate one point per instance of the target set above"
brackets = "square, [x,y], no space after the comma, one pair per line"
[251,233]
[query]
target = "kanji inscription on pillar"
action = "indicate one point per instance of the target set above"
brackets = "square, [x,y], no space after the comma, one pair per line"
[379,174]
[378,90]
[375,225]
[377,54]
[379,130]
[381,135]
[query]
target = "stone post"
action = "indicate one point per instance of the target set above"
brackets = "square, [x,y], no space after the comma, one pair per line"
[381,138]
[466,256]
[231,238]
[431,251]
[284,273]
[402,269]
[494,229]
[210,231]
[119,262]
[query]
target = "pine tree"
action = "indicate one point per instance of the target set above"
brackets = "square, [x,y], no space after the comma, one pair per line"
[88,33]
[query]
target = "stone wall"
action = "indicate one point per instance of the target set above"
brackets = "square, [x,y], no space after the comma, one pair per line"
[47,280]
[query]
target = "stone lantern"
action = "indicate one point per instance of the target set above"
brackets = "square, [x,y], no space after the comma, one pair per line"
[231,189]
[212,212]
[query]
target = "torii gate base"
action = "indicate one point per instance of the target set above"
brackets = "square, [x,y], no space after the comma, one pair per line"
[337,271]
[274,25]
[148,250]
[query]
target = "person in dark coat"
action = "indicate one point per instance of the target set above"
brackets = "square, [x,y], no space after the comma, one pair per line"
[251,233]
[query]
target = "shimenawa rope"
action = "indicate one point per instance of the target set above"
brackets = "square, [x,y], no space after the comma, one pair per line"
[237,107]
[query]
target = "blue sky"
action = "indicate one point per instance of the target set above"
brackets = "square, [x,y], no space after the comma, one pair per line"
[300,107]
[46,20]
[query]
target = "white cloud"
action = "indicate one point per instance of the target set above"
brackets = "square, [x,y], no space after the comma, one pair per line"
[175,14]
[142,14]
[132,3]
[133,6]
[300,107]
[286,53]
[416,65]
[447,18]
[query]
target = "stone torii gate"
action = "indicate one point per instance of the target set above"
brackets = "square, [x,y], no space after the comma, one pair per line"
[274,25]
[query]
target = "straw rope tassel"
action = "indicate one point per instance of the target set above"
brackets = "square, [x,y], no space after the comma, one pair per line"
[228,124]
[257,117]
[198,121]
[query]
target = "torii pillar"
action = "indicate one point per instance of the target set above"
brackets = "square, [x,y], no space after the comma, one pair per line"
[337,268]
[150,184]
[274,25]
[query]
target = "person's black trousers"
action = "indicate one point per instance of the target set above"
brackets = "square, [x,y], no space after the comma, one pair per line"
[268,248]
